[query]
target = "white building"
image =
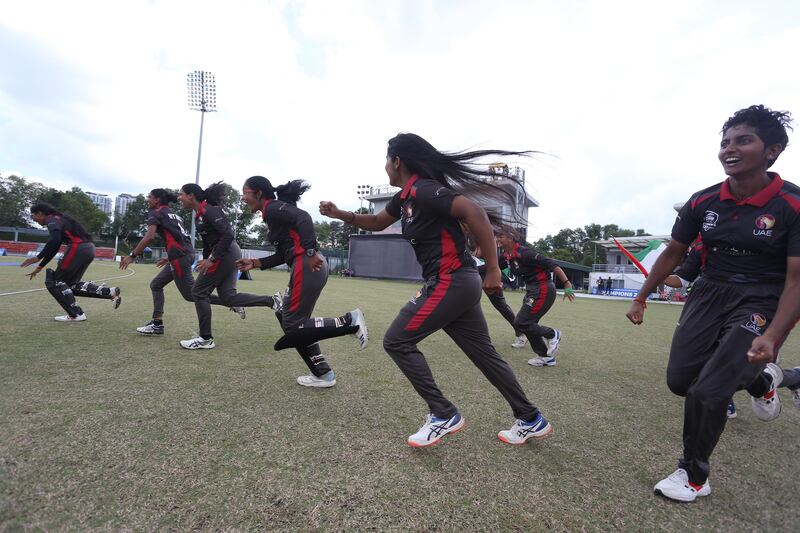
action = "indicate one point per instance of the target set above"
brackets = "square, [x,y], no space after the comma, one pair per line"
[122,202]
[102,201]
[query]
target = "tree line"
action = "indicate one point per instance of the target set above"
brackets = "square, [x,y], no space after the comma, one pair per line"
[577,245]
[17,195]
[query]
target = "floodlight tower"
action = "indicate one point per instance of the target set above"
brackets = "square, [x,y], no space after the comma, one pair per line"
[202,97]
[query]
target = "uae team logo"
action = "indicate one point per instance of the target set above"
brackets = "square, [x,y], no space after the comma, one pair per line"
[756,323]
[710,220]
[764,225]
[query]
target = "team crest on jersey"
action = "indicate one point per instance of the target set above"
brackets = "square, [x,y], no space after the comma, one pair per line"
[710,220]
[756,323]
[764,225]
[408,212]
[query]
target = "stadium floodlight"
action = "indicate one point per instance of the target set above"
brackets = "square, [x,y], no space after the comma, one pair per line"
[202,90]
[363,191]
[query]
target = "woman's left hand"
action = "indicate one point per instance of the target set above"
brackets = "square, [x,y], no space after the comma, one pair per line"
[761,351]
[29,261]
[203,265]
[569,292]
[493,282]
[316,262]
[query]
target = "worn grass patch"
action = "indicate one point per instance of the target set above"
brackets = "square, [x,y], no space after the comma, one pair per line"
[103,429]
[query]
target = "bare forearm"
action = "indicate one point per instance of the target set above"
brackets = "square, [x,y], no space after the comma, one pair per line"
[787,314]
[481,229]
[562,277]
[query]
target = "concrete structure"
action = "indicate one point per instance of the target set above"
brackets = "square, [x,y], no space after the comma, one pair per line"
[122,202]
[509,179]
[102,201]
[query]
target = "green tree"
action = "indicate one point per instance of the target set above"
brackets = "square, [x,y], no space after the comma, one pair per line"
[16,198]
[131,226]
[78,205]
[238,214]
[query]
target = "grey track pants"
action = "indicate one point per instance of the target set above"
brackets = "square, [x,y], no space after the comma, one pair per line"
[178,270]
[223,278]
[451,303]
[305,288]
[708,361]
[535,304]
[64,283]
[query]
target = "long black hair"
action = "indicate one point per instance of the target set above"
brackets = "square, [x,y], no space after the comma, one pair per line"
[770,125]
[164,196]
[48,210]
[212,194]
[461,172]
[290,192]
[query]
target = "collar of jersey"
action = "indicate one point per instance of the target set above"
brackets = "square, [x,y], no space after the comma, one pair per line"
[200,210]
[514,252]
[407,189]
[759,199]
[264,210]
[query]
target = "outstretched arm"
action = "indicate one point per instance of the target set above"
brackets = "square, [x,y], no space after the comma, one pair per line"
[139,249]
[378,222]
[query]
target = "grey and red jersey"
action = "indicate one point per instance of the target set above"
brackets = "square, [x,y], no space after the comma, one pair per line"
[213,226]
[423,207]
[63,230]
[744,241]
[291,232]
[692,265]
[533,267]
[170,228]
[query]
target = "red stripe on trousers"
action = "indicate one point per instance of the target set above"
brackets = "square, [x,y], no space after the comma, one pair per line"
[447,264]
[176,267]
[73,248]
[542,294]
[297,275]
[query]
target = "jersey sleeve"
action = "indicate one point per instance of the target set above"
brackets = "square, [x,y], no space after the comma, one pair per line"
[153,218]
[687,224]
[793,240]
[223,228]
[271,261]
[55,227]
[435,197]
[394,206]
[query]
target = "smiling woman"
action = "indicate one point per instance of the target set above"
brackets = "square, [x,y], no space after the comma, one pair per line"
[747,299]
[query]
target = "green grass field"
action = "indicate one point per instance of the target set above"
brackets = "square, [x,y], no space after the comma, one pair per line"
[103,429]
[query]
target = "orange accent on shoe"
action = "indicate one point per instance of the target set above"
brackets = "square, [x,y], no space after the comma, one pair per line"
[769,395]
[695,486]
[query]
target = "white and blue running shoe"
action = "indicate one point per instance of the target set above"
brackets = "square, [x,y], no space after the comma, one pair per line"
[434,429]
[521,431]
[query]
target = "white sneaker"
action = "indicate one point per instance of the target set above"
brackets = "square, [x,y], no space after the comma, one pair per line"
[552,344]
[198,343]
[768,407]
[521,431]
[314,381]
[116,300]
[520,342]
[357,319]
[277,302]
[151,329]
[67,318]
[240,311]
[434,429]
[676,486]
[542,361]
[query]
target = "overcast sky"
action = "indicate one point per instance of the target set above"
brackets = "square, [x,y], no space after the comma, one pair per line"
[625,98]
